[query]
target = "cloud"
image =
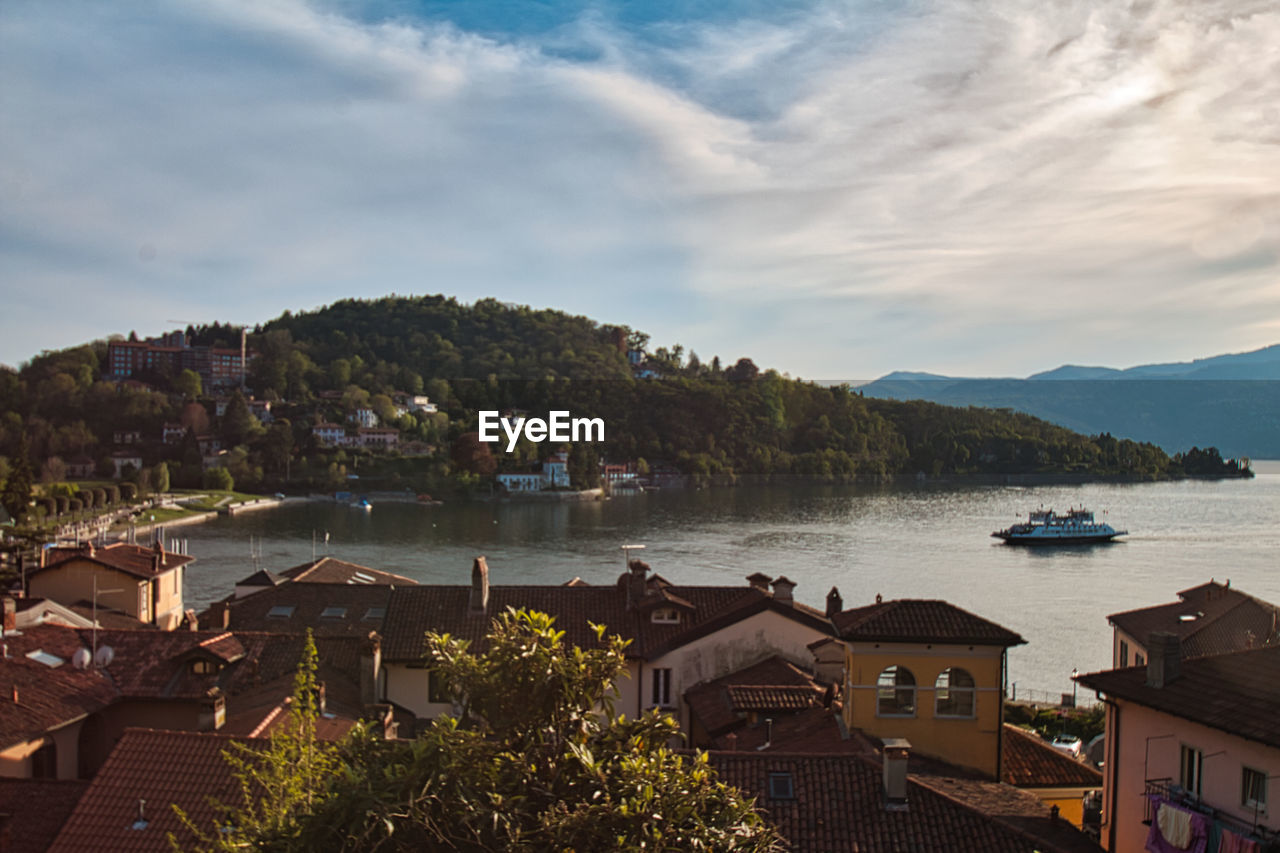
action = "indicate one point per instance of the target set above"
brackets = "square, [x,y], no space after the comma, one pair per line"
[837,189]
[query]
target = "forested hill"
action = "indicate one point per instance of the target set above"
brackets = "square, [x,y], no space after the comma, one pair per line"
[436,336]
[662,408]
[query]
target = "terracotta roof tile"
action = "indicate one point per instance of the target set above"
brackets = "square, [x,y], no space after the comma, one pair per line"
[838,806]
[37,809]
[413,611]
[1029,762]
[333,570]
[328,609]
[1209,619]
[164,768]
[1237,692]
[773,683]
[131,559]
[47,697]
[919,620]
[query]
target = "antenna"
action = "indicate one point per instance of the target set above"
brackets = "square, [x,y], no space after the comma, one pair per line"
[626,555]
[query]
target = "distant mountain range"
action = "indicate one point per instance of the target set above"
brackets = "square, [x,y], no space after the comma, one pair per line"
[1231,402]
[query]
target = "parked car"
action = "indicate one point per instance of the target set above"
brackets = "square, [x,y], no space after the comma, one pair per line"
[1068,743]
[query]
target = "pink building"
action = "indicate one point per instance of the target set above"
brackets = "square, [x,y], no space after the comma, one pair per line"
[1192,746]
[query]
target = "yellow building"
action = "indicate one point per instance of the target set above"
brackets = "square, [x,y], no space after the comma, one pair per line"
[145,583]
[929,672]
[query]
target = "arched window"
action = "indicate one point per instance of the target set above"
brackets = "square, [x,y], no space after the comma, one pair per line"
[896,691]
[953,693]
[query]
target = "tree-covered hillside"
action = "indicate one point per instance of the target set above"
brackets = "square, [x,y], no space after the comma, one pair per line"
[663,409]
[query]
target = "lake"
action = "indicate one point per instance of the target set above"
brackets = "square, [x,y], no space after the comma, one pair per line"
[901,541]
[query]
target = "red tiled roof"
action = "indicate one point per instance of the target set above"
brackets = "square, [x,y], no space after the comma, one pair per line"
[839,806]
[1209,619]
[315,606]
[37,809]
[773,683]
[1237,692]
[333,570]
[48,697]
[131,559]
[413,611]
[1029,762]
[164,768]
[921,620]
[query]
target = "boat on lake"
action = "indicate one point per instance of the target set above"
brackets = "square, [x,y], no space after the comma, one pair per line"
[1046,527]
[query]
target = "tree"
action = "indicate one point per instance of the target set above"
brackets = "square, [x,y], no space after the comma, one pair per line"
[472,455]
[16,497]
[278,782]
[218,478]
[238,423]
[188,384]
[160,477]
[536,760]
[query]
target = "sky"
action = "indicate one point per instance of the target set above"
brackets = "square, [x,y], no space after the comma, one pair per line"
[834,189]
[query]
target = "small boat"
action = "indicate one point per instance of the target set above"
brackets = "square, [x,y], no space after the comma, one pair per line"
[363,504]
[1046,527]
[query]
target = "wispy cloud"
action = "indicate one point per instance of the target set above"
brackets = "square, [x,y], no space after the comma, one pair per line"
[836,189]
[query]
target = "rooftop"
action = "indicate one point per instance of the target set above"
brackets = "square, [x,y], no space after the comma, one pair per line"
[1237,693]
[32,811]
[162,768]
[1209,619]
[1029,762]
[135,560]
[328,609]
[837,804]
[921,621]
[333,570]
[412,611]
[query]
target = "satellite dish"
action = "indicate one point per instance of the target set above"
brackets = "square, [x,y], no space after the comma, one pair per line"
[80,660]
[105,655]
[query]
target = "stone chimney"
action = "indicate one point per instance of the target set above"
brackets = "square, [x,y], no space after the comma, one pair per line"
[10,615]
[479,603]
[782,589]
[370,668]
[158,559]
[834,602]
[1164,658]
[759,581]
[637,570]
[896,752]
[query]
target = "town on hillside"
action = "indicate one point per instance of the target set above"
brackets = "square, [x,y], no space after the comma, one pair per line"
[870,724]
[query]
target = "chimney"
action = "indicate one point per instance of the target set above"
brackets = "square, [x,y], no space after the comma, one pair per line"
[159,553]
[834,602]
[636,572]
[479,587]
[370,668]
[1164,658]
[759,581]
[731,742]
[88,549]
[896,752]
[219,615]
[319,694]
[10,615]
[213,711]
[782,589]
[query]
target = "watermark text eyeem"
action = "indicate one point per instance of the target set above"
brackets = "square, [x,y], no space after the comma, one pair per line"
[559,426]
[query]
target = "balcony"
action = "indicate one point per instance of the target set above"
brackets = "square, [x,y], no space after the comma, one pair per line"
[1170,790]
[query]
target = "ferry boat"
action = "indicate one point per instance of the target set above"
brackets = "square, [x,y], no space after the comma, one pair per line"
[1046,527]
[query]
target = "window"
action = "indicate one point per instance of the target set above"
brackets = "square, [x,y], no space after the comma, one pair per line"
[667,615]
[375,613]
[896,692]
[1192,764]
[44,762]
[280,611]
[1124,653]
[953,693]
[662,688]
[436,692]
[781,787]
[333,613]
[1139,660]
[202,666]
[1253,789]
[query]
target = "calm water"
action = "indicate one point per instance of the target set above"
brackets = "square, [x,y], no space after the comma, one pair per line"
[902,542]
